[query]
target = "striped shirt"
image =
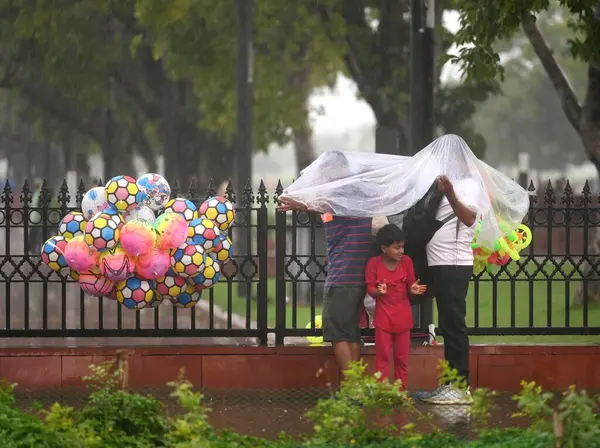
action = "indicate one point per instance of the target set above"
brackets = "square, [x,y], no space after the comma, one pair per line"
[348,250]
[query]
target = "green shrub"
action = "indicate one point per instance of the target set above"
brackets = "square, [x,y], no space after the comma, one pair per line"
[358,415]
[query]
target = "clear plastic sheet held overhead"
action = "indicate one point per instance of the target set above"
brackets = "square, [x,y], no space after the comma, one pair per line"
[367,185]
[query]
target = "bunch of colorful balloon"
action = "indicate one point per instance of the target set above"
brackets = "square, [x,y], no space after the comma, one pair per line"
[504,250]
[119,248]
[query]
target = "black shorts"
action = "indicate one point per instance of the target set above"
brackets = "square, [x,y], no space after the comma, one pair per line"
[341,305]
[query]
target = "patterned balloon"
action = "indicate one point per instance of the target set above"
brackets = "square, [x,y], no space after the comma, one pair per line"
[188,298]
[187,260]
[219,210]
[95,284]
[135,293]
[116,264]
[93,202]
[137,237]
[142,212]
[72,225]
[153,264]
[102,232]
[53,253]
[209,276]
[182,206]
[170,286]
[171,229]
[121,192]
[80,257]
[205,233]
[154,191]
[224,249]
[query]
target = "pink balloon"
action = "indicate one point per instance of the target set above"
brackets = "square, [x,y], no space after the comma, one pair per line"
[153,265]
[95,284]
[137,237]
[116,264]
[80,257]
[172,230]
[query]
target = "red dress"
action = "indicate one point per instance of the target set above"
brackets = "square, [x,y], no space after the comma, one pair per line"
[392,312]
[393,315]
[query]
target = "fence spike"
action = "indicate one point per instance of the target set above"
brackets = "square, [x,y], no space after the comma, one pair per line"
[247,195]
[100,183]
[175,190]
[549,195]
[210,190]
[278,192]
[63,194]
[193,192]
[533,197]
[26,194]
[45,195]
[263,197]
[81,190]
[230,192]
[7,196]
[568,197]
[586,194]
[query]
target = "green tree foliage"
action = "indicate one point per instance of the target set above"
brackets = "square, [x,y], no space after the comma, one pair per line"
[527,116]
[376,35]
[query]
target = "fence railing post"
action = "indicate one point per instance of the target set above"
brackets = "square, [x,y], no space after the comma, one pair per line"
[280,249]
[262,222]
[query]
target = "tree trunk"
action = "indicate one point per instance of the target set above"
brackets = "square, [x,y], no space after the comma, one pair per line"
[590,136]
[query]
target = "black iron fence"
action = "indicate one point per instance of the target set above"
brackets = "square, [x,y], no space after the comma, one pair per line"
[272,288]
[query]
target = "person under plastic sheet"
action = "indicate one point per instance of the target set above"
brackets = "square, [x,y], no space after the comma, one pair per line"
[348,250]
[370,185]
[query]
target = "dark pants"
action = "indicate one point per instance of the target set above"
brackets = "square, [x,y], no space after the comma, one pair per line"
[450,285]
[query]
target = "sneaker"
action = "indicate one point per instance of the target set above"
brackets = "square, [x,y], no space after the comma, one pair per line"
[422,396]
[448,395]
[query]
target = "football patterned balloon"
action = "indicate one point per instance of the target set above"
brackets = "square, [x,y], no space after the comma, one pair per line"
[170,286]
[219,210]
[72,225]
[102,232]
[154,191]
[188,298]
[187,260]
[121,193]
[135,293]
[156,300]
[209,276]
[182,206]
[224,250]
[95,284]
[205,233]
[116,264]
[53,253]
[93,202]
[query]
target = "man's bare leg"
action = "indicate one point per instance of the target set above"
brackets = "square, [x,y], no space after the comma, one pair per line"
[355,350]
[343,354]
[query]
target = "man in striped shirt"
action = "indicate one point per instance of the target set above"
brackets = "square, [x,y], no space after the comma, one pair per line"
[349,248]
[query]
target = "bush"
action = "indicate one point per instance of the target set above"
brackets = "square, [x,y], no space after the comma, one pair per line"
[359,415]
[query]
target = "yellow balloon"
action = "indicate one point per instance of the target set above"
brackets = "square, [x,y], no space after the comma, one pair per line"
[315,340]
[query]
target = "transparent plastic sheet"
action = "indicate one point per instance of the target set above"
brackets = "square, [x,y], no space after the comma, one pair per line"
[368,185]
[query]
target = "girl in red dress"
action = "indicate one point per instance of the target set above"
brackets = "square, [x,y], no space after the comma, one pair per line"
[390,279]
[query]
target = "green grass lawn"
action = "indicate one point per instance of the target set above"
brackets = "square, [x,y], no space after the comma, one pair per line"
[518,294]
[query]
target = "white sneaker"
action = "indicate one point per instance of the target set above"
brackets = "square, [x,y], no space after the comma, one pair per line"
[448,395]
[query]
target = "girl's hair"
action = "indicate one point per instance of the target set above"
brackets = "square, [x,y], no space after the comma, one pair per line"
[387,235]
